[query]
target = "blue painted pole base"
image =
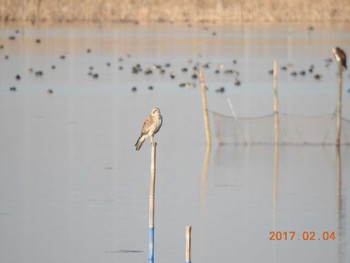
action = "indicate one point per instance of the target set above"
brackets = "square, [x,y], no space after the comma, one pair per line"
[151,245]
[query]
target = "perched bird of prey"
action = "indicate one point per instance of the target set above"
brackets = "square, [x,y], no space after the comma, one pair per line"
[150,127]
[340,56]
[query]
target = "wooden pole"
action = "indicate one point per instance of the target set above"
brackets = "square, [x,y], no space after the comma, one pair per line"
[204,175]
[275,102]
[188,244]
[151,204]
[339,102]
[205,108]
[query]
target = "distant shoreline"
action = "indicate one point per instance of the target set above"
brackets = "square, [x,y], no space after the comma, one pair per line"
[175,11]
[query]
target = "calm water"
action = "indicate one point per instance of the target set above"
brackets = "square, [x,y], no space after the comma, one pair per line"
[73,189]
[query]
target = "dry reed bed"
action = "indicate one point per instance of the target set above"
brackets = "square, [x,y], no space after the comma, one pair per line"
[176,10]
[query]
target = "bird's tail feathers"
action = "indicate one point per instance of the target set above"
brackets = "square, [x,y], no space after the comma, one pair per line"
[139,142]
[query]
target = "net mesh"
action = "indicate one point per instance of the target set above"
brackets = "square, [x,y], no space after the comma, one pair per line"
[293,129]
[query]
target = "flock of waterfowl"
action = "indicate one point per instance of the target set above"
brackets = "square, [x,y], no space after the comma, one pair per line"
[191,70]
[189,73]
[338,54]
[303,72]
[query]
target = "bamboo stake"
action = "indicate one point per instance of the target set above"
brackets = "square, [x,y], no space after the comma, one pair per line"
[151,204]
[339,102]
[275,102]
[204,175]
[188,244]
[205,108]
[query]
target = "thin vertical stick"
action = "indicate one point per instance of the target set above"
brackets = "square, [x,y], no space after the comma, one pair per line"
[188,244]
[151,204]
[275,102]
[205,108]
[204,175]
[339,106]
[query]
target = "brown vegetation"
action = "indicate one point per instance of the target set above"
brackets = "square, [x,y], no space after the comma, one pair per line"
[176,10]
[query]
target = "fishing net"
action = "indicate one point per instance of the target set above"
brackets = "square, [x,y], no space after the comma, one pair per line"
[293,129]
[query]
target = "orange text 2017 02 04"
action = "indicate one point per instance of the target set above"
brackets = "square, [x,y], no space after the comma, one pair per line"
[305,235]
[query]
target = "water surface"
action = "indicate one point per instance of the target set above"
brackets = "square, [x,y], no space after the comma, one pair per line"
[73,188]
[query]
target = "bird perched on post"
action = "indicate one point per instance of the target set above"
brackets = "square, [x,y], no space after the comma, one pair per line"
[150,127]
[340,56]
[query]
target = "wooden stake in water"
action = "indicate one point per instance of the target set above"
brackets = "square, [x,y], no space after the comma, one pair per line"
[188,244]
[151,204]
[339,102]
[205,108]
[275,102]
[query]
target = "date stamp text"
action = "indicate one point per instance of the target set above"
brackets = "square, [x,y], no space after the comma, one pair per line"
[305,235]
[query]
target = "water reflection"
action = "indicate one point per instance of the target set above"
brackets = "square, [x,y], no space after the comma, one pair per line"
[341,211]
[302,198]
[275,183]
[274,197]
